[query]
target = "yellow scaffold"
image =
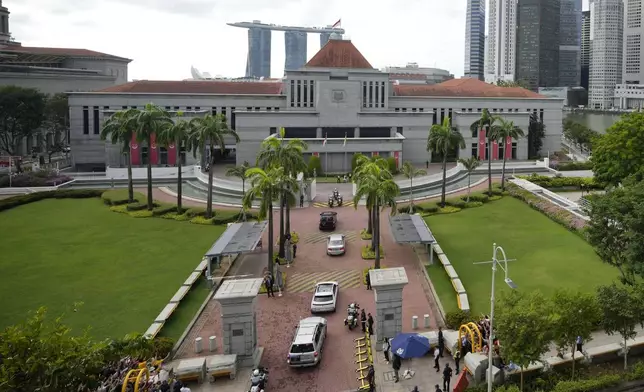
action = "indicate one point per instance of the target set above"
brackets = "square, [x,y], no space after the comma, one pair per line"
[364,359]
[135,377]
[472,331]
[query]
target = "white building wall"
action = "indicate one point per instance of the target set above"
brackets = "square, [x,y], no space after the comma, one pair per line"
[501,44]
[606,63]
[633,69]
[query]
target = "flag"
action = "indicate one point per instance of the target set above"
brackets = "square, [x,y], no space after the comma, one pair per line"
[324,142]
[345,140]
[337,24]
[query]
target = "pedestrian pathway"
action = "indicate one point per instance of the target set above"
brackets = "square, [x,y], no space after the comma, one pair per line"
[305,282]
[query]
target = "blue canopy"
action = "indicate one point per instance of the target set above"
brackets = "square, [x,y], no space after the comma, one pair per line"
[410,345]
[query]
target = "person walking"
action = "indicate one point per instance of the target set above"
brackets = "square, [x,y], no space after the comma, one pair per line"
[457,360]
[367,279]
[447,377]
[363,321]
[437,355]
[371,375]
[386,346]
[301,201]
[441,341]
[395,364]
[580,343]
[294,250]
[370,324]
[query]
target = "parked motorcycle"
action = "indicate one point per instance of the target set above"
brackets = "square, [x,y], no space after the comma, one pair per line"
[259,379]
[352,315]
[339,199]
[331,201]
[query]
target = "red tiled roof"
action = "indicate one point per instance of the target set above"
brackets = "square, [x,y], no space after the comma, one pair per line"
[407,76]
[465,87]
[339,54]
[197,87]
[56,51]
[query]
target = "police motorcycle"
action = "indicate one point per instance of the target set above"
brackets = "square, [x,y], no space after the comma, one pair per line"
[331,201]
[352,315]
[259,379]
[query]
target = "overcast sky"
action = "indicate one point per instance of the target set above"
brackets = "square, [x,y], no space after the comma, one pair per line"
[166,37]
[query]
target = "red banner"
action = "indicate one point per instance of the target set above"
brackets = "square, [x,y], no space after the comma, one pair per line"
[375,153]
[508,148]
[482,144]
[316,154]
[154,150]
[135,151]
[172,155]
[461,381]
[495,150]
[397,157]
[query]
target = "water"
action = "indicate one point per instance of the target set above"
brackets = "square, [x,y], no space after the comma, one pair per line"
[596,121]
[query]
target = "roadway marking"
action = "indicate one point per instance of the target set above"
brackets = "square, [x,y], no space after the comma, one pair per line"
[305,282]
[318,204]
[321,237]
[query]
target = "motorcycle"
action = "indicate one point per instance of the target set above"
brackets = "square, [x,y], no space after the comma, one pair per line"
[340,201]
[256,388]
[336,194]
[352,316]
[331,201]
[258,379]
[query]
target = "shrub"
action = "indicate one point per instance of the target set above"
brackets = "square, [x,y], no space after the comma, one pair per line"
[34,179]
[474,204]
[365,271]
[448,210]
[182,217]
[456,318]
[480,197]
[225,217]
[368,254]
[137,206]
[563,182]
[569,166]
[116,197]
[120,209]
[497,191]
[315,166]
[593,384]
[262,288]
[195,211]
[392,165]
[495,198]
[15,201]
[281,260]
[140,214]
[200,220]
[365,235]
[170,215]
[164,209]
[458,203]
[428,207]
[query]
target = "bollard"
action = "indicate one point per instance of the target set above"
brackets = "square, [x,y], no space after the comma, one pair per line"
[212,343]
[414,322]
[426,321]
[198,346]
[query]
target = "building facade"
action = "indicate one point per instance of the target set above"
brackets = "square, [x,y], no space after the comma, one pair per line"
[414,74]
[501,41]
[537,62]
[585,48]
[606,52]
[475,39]
[338,104]
[296,44]
[258,62]
[633,67]
[570,43]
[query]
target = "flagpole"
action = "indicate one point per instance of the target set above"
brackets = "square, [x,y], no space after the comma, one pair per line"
[10,171]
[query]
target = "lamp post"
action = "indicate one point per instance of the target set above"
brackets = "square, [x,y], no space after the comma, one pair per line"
[503,263]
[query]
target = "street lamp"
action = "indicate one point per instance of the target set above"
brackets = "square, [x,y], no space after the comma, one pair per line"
[503,263]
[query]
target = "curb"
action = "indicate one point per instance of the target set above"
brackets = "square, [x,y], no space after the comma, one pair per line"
[168,191]
[437,300]
[185,333]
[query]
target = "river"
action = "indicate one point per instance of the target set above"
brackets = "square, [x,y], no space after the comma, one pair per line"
[595,121]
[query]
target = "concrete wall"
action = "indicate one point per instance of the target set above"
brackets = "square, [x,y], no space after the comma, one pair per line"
[114,69]
[56,83]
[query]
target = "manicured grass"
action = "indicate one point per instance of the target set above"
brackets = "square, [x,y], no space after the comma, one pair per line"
[58,252]
[187,309]
[548,256]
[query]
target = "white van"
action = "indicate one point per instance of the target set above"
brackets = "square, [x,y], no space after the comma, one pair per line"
[306,349]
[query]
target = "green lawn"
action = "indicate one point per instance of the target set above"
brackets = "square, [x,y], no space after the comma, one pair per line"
[54,253]
[548,256]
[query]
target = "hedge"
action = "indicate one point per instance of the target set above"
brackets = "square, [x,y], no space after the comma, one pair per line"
[563,182]
[117,197]
[569,166]
[455,204]
[15,201]
[368,254]
[365,235]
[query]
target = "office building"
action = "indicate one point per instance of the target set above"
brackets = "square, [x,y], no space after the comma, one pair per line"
[537,53]
[296,44]
[501,40]
[633,68]
[258,62]
[606,52]
[337,96]
[324,38]
[475,39]
[570,43]
[585,48]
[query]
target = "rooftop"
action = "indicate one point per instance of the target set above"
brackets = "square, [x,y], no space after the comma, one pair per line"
[238,238]
[339,54]
[410,229]
[198,87]
[464,87]
[24,53]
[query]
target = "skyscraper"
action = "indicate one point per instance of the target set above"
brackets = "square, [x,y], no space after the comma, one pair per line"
[475,39]
[324,38]
[501,40]
[633,68]
[295,43]
[585,48]
[258,63]
[537,53]
[570,43]
[606,51]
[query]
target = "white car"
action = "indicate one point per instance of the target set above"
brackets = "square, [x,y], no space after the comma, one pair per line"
[325,297]
[335,245]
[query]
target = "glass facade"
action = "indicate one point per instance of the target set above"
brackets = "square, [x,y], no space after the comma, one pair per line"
[324,38]
[295,44]
[475,39]
[258,63]
[570,43]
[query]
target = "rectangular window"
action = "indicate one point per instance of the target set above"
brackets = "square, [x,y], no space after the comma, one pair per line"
[298,93]
[238,332]
[123,107]
[144,155]
[370,90]
[382,95]
[273,131]
[305,93]
[364,94]
[85,120]
[435,117]
[188,107]
[276,109]
[97,127]
[224,112]
[389,316]
[399,130]
[514,150]
[168,108]
[292,93]
[249,109]
[311,95]
[404,109]
[414,110]
[258,109]
[182,155]
[176,108]
[213,111]
[106,108]
[421,109]
[232,118]
[197,108]
[164,156]
[475,150]
[541,115]
[396,109]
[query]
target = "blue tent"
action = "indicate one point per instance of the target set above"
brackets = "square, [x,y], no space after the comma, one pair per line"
[410,345]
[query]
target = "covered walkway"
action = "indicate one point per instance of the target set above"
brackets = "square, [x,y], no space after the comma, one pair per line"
[411,229]
[238,238]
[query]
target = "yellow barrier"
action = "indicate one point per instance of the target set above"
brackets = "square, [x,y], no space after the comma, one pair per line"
[135,376]
[472,330]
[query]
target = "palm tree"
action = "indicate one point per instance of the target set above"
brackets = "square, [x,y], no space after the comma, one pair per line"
[365,165]
[177,134]
[410,172]
[240,172]
[289,155]
[119,130]
[150,121]
[485,122]
[209,134]
[470,164]
[501,132]
[443,138]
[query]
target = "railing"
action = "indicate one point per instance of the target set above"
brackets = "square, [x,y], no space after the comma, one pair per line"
[550,196]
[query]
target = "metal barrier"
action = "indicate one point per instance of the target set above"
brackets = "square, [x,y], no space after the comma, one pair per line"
[364,359]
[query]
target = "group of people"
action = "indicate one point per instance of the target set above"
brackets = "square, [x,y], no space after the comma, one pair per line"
[113,377]
[366,322]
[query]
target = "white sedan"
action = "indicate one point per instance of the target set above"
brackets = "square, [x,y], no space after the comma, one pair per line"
[325,297]
[335,245]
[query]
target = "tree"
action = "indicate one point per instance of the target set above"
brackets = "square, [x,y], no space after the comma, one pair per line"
[22,112]
[616,229]
[470,164]
[177,134]
[56,122]
[522,323]
[410,172]
[574,314]
[579,133]
[619,152]
[441,139]
[208,135]
[360,172]
[622,309]
[354,161]
[518,83]
[501,132]
[536,133]
[485,123]
[119,129]
[240,172]
[314,166]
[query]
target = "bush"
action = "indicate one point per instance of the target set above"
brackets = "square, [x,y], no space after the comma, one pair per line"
[497,191]
[195,211]
[495,198]
[137,206]
[448,210]
[182,217]
[164,209]
[140,214]
[365,235]
[593,384]
[225,217]
[480,197]
[200,220]
[315,166]
[117,197]
[428,207]
[122,209]
[15,201]
[34,179]
[474,204]
[456,318]
[569,166]
[262,288]
[458,203]
[392,165]
[563,182]
[368,254]
[365,271]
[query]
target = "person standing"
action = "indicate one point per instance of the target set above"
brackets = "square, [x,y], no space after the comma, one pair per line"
[437,355]
[580,343]
[457,360]
[367,279]
[371,375]
[447,377]
[363,321]
[301,201]
[294,250]
[370,324]
[441,341]
[268,283]
[386,346]
[438,389]
[395,364]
